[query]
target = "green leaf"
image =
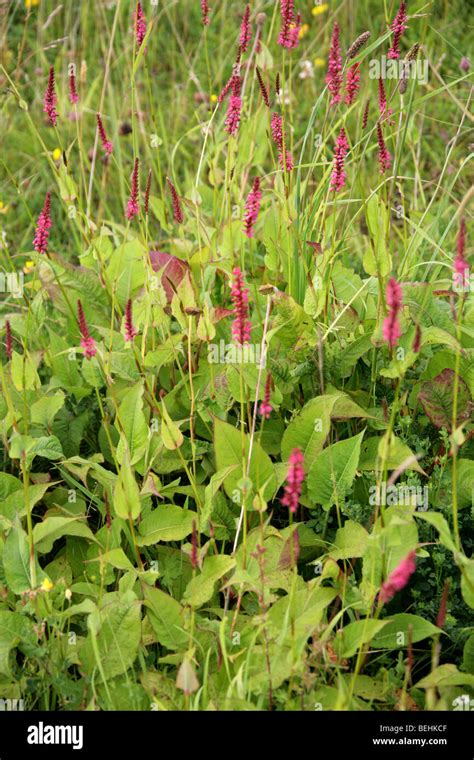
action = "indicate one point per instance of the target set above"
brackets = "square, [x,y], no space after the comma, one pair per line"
[201,588]
[356,634]
[439,522]
[351,541]
[398,453]
[445,675]
[468,655]
[299,614]
[16,562]
[131,423]
[159,210]
[309,429]
[43,411]
[465,482]
[166,617]
[467,581]
[116,630]
[126,493]
[210,492]
[47,532]
[117,558]
[228,444]
[396,632]
[24,374]
[167,523]
[333,472]
[377,260]
[126,270]
[170,433]
[15,629]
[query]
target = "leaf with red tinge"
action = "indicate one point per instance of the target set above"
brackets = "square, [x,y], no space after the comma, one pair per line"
[436,397]
[172,271]
[291,552]
[317,248]
[221,313]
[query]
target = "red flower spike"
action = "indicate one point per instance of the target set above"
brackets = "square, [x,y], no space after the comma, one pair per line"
[294,480]
[240,296]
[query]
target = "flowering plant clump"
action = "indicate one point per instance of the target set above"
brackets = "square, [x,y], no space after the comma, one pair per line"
[236,361]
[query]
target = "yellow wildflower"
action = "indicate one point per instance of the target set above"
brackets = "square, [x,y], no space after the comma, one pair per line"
[304,30]
[57,154]
[213,98]
[47,585]
[318,62]
[31,3]
[318,9]
[29,265]
[3,208]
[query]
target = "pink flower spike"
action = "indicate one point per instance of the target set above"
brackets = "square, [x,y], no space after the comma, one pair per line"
[277,129]
[287,11]
[106,144]
[334,76]
[252,207]
[245,30]
[338,176]
[177,210]
[265,408]
[133,206]
[226,89]
[205,10]
[285,158]
[73,96]
[294,480]
[398,27]
[352,83]
[391,325]
[384,155]
[130,330]
[461,266]
[240,296]
[385,112]
[232,120]
[140,25]
[294,34]
[398,578]
[50,99]
[43,225]
[87,341]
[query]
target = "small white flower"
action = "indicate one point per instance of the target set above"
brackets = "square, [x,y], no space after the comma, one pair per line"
[283,97]
[307,70]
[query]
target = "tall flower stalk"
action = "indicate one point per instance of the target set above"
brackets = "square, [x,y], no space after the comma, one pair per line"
[106,144]
[133,205]
[252,207]
[178,215]
[334,72]
[241,326]
[43,225]
[338,176]
[391,325]
[294,480]
[50,99]
[398,27]
[139,25]
[87,341]
[232,120]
